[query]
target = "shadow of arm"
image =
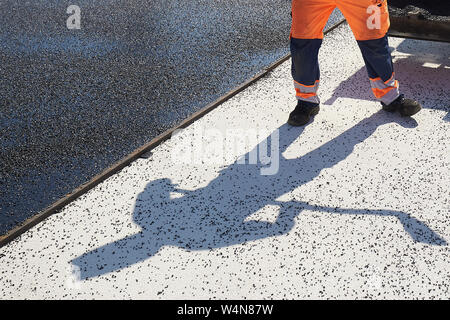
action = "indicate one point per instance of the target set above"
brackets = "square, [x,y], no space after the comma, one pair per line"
[418,230]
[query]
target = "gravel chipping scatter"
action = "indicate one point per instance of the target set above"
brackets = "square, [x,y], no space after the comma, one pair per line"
[356,207]
[73,102]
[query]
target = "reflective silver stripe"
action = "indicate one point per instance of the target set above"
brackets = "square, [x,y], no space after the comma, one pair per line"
[379,84]
[310,89]
[304,89]
[391,82]
[390,96]
[314,99]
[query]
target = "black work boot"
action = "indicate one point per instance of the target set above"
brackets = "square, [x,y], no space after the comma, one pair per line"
[303,113]
[406,107]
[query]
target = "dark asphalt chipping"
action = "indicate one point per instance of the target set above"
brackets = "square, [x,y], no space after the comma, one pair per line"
[73,102]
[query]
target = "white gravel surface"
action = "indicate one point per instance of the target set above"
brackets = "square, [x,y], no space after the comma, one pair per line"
[358,206]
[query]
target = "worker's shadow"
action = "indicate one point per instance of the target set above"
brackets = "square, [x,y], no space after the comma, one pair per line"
[421,69]
[220,213]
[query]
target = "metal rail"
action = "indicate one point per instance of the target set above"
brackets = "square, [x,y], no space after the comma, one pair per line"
[414,27]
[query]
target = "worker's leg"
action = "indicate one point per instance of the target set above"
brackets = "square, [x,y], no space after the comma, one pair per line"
[380,69]
[369,21]
[309,17]
[305,68]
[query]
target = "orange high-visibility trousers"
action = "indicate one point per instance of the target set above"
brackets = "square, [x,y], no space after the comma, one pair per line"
[369,21]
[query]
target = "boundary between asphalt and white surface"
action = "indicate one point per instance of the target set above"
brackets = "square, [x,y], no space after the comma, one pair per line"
[136,154]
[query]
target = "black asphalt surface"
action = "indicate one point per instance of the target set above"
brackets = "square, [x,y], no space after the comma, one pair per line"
[73,102]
